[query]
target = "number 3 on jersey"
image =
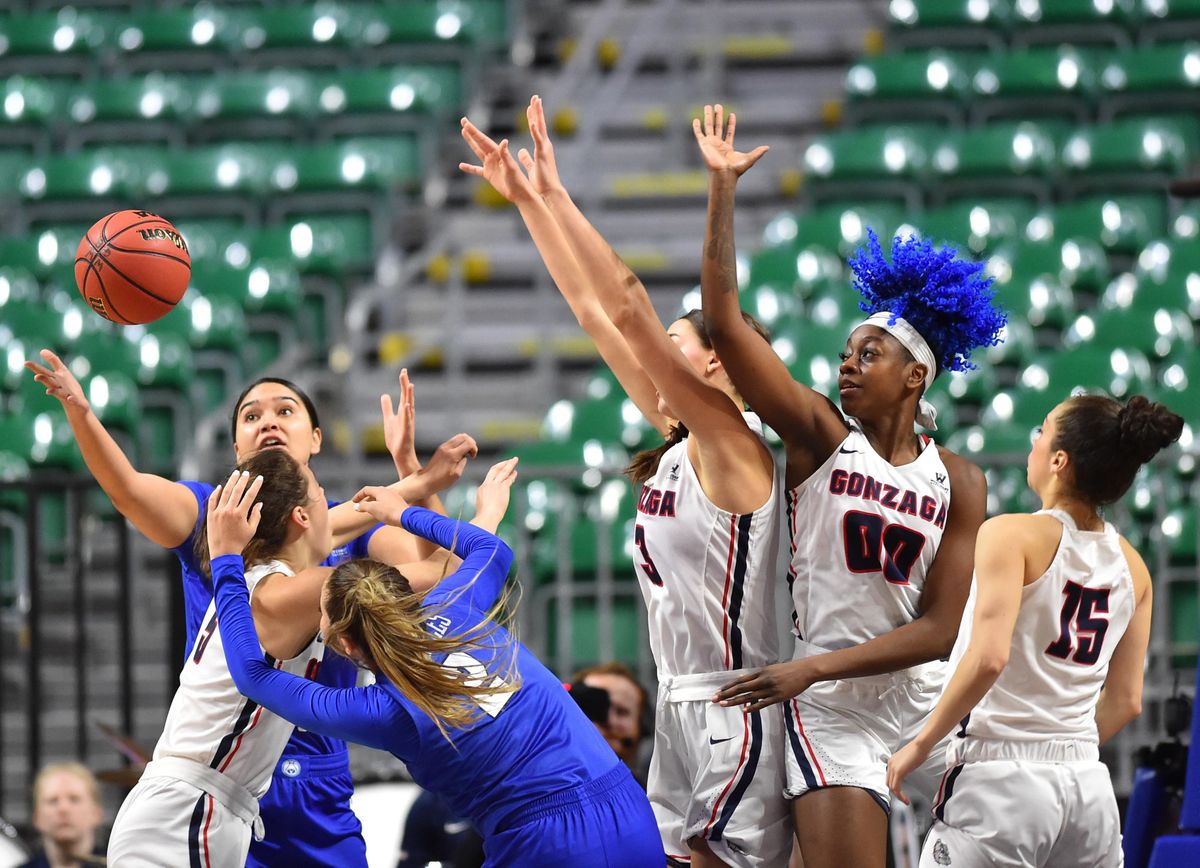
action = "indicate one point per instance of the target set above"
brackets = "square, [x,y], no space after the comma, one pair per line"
[639,538]
[874,546]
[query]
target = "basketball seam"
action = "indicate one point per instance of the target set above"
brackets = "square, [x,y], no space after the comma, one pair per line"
[108,302]
[112,246]
[123,276]
[155,219]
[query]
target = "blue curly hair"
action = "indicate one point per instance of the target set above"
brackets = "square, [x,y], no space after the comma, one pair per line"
[948,300]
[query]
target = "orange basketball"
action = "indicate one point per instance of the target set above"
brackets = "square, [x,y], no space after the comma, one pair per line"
[132,267]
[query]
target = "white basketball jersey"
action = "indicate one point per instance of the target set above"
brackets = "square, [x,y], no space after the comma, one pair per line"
[864,533]
[707,575]
[1071,619]
[211,723]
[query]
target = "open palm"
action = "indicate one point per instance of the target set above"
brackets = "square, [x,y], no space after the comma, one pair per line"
[715,138]
[499,167]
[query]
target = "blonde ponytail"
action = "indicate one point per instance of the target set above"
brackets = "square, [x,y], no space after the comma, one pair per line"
[374,606]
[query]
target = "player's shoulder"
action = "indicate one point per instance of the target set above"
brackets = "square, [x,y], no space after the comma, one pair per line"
[1019,530]
[1137,566]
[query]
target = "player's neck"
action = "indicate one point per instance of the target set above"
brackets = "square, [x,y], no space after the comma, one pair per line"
[1083,514]
[67,854]
[892,439]
[296,554]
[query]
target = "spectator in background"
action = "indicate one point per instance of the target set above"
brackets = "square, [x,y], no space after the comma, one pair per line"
[67,812]
[623,728]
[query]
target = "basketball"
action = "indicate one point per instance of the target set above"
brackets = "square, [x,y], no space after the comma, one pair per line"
[132,267]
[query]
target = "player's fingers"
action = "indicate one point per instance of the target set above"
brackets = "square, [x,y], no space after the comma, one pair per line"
[757,154]
[214,498]
[55,362]
[729,128]
[367,492]
[719,120]
[250,495]
[385,407]
[525,158]
[697,130]
[479,141]
[37,370]
[708,120]
[255,517]
[471,170]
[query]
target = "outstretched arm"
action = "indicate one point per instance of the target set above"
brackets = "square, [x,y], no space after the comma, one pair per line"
[399,434]
[165,512]
[573,278]
[1000,578]
[364,715]
[806,420]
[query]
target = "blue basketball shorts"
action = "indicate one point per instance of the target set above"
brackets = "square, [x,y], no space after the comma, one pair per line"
[606,823]
[307,816]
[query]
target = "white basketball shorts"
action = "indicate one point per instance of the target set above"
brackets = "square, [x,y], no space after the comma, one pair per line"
[717,774]
[1033,804]
[183,813]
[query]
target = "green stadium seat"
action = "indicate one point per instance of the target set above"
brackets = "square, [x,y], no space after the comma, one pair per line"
[1004,156]
[1008,486]
[1123,223]
[996,437]
[175,35]
[1041,300]
[603,528]
[1037,81]
[1179,383]
[612,420]
[1017,347]
[950,22]
[546,457]
[769,305]
[1179,533]
[17,284]
[480,22]
[973,386]
[1087,367]
[910,84]
[841,227]
[403,90]
[1152,78]
[209,238]
[876,160]
[976,226]
[254,95]
[1129,152]
[585,643]
[100,173]
[29,101]
[300,27]
[378,164]
[1078,20]
[215,170]
[27,37]
[328,244]
[1156,332]
[1168,274]
[154,97]
[1078,263]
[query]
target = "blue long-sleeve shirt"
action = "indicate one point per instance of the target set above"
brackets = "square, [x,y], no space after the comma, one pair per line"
[527,745]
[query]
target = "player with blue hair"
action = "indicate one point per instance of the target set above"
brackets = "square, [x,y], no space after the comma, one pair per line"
[881,555]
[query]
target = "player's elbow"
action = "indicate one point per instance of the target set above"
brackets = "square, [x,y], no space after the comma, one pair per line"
[992,661]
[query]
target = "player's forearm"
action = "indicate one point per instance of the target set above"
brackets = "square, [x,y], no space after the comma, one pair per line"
[974,677]
[718,265]
[911,644]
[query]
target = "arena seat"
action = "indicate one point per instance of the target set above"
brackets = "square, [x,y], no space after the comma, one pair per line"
[1084,20]
[239,95]
[30,103]
[950,22]
[871,160]
[1001,157]
[1037,81]
[1118,372]
[1152,78]
[39,35]
[154,97]
[408,89]
[88,174]
[171,35]
[993,437]
[1018,346]
[1124,223]
[1155,331]
[903,86]
[1076,262]
[841,227]
[376,163]
[1129,153]
[976,226]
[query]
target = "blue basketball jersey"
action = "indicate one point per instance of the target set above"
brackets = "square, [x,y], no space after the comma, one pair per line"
[525,746]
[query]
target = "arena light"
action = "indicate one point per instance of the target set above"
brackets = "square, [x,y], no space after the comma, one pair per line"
[819,158]
[43,429]
[980,221]
[47,248]
[35,182]
[630,414]
[1175,377]
[978,10]
[1114,77]
[1186,226]
[5,289]
[1152,145]
[1068,72]
[333,98]
[1002,406]
[611,495]
[850,224]
[151,104]
[1111,216]
[278,99]
[301,238]
[785,348]
[98,392]
[1191,66]
[1072,256]
[1171,526]
[559,418]
[1030,10]
[904,11]
[808,266]
[285,176]
[1033,377]
[202,314]
[1193,287]
[975,440]
[1023,146]
[447,25]
[1040,228]
[130,39]
[937,74]
[1121,292]
[826,312]
[354,168]
[14,105]
[72,323]
[156,182]
[691,300]
[1078,152]
[228,172]
[1104,7]
[149,352]
[741,265]
[237,255]
[945,159]
[986,81]
[895,156]
[1154,257]
[64,38]
[259,282]
[1084,327]
[860,79]
[593,454]
[402,97]
[324,28]
[781,229]
[203,30]
[1157,8]
[822,371]
[999,267]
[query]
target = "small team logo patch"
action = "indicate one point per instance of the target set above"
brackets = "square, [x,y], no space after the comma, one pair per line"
[941,853]
[673,475]
[291,768]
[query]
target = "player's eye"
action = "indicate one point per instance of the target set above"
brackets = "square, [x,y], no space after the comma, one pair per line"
[1035,434]
[250,417]
[843,356]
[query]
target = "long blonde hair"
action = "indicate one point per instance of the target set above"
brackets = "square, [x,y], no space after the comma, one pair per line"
[375,607]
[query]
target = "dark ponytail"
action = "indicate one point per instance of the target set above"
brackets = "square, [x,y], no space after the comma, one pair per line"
[1108,442]
[645,463]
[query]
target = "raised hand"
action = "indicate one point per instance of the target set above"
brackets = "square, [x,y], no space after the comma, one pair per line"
[59,381]
[715,138]
[399,428]
[491,500]
[540,165]
[233,514]
[499,168]
[444,468]
[381,503]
